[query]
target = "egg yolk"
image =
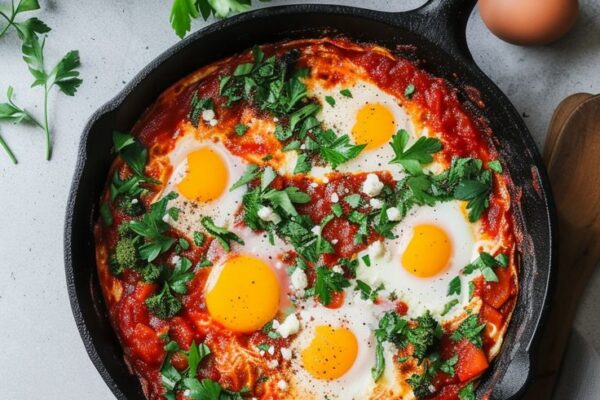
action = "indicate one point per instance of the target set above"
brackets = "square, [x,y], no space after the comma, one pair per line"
[428,252]
[245,295]
[374,126]
[331,352]
[206,177]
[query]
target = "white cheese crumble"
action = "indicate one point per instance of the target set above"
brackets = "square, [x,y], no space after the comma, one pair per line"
[286,353]
[338,269]
[213,122]
[271,350]
[376,249]
[134,201]
[316,230]
[376,203]
[282,385]
[290,326]
[267,214]
[314,184]
[208,115]
[372,186]
[298,279]
[272,364]
[393,214]
[334,241]
[335,198]
[326,180]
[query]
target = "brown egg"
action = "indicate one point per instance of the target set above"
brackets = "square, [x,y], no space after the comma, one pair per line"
[529,22]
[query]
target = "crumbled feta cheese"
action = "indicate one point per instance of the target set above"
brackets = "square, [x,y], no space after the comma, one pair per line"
[166,218]
[271,350]
[262,353]
[335,198]
[290,326]
[275,324]
[298,279]
[314,184]
[282,385]
[334,241]
[338,269]
[302,146]
[134,201]
[326,180]
[286,353]
[393,214]
[267,214]
[275,119]
[376,203]
[208,115]
[272,364]
[372,186]
[376,249]
[213,122]
[175,259]
[316,230]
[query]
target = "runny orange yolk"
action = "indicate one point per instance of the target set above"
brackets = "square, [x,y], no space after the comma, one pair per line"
[428,252]
[206,177]
[331,352]
[244,295]
[374,126]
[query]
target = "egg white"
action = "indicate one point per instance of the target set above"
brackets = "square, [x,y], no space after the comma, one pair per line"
[222,209]
[342,116]
[421,294]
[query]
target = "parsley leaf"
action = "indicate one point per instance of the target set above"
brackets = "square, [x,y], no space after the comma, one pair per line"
[469,329]
[467,392]
[413,157]
[240,129]
[197,105]
[251,173]
[454,287]
[329,281]
[330,100]
[449,305]
[366,292]
[64,75]
[152,229]
[340,150]
[220,233]
[346,93]
[409,91]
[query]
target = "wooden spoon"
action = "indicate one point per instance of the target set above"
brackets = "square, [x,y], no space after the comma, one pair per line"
[574,169]
[559,118]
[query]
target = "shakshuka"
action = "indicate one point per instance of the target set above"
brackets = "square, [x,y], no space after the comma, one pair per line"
[315,219]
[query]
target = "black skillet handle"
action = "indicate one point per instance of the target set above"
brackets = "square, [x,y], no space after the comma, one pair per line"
[443,22]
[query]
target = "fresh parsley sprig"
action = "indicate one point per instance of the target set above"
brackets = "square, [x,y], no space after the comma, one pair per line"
[414,157]
[10,112]
[64,75]
[27,28]
[183,11]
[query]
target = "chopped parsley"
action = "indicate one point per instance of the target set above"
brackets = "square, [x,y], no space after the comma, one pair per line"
[240,129]
[327,282]
[164,304]
[197,105]
[330,100]
[152,228]
[469,329]
[409,91]
[413,157]
[346,93]
[221,234]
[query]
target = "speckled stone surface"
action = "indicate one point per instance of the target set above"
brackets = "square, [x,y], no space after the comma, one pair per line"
[42,354]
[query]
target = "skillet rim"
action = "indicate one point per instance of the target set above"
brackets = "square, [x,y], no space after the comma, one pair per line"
[460,56]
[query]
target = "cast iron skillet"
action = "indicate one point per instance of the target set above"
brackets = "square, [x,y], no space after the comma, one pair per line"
[437,29]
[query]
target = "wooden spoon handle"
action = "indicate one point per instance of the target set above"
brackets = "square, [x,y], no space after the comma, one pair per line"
[574,171]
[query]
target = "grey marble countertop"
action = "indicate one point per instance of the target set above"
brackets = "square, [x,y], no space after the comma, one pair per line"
[42,353]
